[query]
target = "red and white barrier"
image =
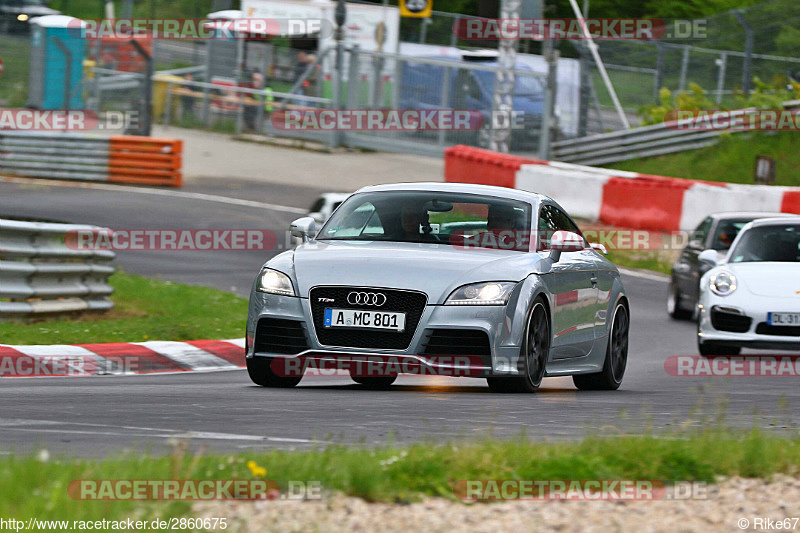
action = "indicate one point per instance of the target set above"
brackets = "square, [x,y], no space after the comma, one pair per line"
[76,360]
[616,197]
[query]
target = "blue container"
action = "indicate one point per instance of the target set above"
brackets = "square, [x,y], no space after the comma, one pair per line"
[56,72]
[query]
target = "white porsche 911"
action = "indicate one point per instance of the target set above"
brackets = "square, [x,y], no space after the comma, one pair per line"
[751,298]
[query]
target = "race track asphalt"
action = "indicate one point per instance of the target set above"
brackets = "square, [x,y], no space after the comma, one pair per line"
[225,411]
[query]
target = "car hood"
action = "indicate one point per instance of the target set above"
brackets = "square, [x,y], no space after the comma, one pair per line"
[435,269]
[776,280]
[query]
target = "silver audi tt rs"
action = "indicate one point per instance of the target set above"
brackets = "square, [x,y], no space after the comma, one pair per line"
[440,278]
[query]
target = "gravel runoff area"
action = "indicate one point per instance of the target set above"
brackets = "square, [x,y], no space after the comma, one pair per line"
[738,499]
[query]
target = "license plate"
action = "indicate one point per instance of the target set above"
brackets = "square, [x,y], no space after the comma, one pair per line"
[354,318]
[783,319]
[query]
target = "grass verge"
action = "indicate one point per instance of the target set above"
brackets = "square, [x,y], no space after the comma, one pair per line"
[397,474]
[655,260]
[732,160]
[144,309]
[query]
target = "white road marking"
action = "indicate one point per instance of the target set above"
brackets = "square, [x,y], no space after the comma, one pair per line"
[652,276]
[134,431]
[157,192]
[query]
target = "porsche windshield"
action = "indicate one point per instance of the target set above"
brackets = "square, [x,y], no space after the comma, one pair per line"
[768,243]
[425,217]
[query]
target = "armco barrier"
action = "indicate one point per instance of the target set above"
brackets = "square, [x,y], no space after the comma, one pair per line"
[617,197]
[40,274]
[79,156]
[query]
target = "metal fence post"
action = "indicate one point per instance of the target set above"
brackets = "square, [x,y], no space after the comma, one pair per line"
[748,51]
[549,104]
[659,79]
[722,61]
[585,90]
[504,82]
[147,86]
[684,69]
[168,104]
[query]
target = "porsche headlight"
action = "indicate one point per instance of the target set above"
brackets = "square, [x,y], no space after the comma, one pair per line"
[274,282]
[722,284]
[491,293]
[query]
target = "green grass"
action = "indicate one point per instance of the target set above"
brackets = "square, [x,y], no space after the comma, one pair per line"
[647,260]
[398,474]
[732,160]
[144,309]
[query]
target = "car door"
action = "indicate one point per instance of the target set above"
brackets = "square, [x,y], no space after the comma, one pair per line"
[687,269]
[573,286]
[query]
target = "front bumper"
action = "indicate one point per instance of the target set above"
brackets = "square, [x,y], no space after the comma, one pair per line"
[718,315]
[504,345]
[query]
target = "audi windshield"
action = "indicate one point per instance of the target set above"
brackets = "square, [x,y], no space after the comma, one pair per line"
[424,217]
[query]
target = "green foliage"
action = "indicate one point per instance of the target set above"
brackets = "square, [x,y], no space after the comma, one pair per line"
[762,96]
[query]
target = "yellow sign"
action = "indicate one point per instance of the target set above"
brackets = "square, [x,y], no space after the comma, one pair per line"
[416,8]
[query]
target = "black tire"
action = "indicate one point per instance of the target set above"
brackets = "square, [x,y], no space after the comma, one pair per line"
[674,308]
[534,356]
[375,383]
[709,349]
[616,356]
[261,373]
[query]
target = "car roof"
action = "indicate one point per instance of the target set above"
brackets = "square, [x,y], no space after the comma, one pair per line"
[467,188]
[775,220]
[747,214]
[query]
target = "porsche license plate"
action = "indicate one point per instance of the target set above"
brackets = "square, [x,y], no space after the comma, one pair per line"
[783,319]
[354,318]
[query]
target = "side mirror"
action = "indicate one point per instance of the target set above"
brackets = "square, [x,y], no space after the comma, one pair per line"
[708,256]
[599,247]
[564,241]
[305,228]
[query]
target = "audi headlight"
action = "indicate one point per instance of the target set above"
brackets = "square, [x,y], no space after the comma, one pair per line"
[274,282]
[492,293]
[722,283]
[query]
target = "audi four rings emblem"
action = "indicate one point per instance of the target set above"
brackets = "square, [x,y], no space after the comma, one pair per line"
[366,298]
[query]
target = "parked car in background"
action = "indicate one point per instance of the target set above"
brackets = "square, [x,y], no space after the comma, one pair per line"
[751,298]
[715,232]
[15,14]
[470,89]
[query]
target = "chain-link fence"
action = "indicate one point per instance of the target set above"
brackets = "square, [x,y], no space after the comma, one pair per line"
[15,52]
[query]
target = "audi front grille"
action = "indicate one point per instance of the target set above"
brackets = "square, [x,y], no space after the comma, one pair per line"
[412,303]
